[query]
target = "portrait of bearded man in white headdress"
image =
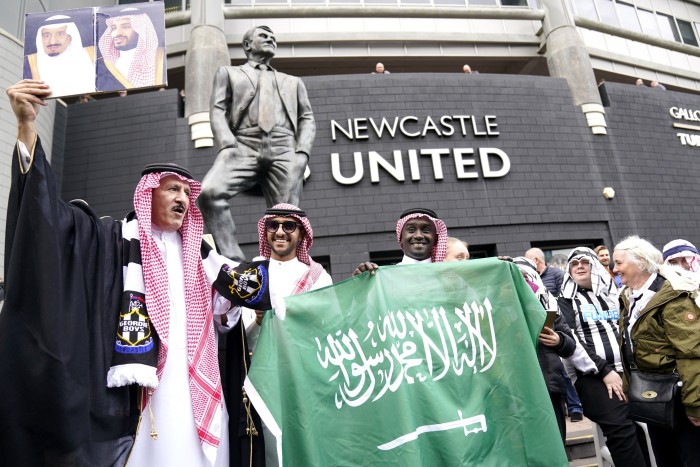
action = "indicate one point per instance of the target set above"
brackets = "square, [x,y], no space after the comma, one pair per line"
[129,49]
[60,60]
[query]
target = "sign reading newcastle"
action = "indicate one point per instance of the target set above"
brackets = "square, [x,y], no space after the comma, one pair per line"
[688,115]
[493,162]
[421,365]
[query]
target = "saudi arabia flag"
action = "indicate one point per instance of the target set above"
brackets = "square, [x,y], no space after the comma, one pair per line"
[420,365]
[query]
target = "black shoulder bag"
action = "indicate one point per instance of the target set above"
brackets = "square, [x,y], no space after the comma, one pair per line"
[654,398]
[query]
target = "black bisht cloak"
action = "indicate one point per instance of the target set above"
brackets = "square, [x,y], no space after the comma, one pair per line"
[63,275]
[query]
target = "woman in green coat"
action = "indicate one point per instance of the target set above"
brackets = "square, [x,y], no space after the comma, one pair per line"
[658,310]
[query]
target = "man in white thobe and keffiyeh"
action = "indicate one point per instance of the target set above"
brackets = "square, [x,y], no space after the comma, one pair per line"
[285,238]
[76,284]
[422,237]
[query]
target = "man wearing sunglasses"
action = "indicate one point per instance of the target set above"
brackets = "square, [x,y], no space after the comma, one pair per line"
[285,238]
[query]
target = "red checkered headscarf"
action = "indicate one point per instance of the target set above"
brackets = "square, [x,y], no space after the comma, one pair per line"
[287,210]
[440,247]
[205,381]
[142,71]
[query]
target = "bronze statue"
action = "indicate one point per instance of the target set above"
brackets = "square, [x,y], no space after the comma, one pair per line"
[264,127]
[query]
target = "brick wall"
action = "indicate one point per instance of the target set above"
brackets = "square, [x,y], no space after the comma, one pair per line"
[11,52]
[553,191]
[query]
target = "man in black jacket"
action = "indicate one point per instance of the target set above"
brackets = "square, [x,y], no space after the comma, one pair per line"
[551,277]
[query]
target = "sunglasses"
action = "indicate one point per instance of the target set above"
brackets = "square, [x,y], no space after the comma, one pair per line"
[287,226]
[574,263]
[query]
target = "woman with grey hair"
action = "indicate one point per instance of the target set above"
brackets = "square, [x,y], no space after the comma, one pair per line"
[659,314]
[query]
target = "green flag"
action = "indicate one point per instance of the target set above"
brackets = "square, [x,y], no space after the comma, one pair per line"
[416,365]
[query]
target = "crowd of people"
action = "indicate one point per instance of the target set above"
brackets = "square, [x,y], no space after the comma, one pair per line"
[154,272]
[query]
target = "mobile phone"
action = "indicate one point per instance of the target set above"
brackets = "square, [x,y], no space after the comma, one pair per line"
[549,321]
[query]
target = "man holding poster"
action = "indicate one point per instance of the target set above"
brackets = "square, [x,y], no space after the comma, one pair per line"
[433,364]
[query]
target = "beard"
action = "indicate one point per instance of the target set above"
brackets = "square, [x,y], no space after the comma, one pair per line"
[130,43]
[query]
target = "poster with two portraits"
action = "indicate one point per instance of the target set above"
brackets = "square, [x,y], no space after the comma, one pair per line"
[92,50]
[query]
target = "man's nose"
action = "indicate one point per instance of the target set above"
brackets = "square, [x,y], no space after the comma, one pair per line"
[182,196]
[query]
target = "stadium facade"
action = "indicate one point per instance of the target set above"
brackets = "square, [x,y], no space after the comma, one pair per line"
[522,154]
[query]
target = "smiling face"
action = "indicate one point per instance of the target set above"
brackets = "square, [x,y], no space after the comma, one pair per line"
[629,272]
[123,35]
[170,203]
[604,257]
[283,245]
[580,271]
[418,238]
[55,40]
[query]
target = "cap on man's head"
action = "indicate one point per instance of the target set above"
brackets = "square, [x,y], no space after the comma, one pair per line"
[278,210]
[167,167]
[425,211]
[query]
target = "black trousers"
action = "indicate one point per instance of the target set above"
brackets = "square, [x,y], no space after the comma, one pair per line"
[678,447]
[627,445]
[559,413]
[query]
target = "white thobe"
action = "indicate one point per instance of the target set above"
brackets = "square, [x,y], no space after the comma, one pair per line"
[123,63]
[409,260]
[178,442]
[284,276]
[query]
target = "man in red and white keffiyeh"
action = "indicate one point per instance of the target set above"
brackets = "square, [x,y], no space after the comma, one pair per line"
[187,405]
[422,237]
[285,238]
[129,48]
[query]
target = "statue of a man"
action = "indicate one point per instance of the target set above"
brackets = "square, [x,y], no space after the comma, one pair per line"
[264,127]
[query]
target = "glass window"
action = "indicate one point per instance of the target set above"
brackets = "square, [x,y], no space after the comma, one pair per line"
[648,21]
[628,17]
[450,2]
[668,28]
[586,9]
[607,12]
[513,2]
[687,32]
[481,2]
[172,6]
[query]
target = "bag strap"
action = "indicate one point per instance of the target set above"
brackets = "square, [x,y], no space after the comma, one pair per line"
[627,357]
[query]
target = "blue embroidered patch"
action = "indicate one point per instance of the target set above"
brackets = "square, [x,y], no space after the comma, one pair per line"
[134,334]
[250,284]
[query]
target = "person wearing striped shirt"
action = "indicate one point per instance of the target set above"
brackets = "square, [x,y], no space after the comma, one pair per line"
[589,303]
